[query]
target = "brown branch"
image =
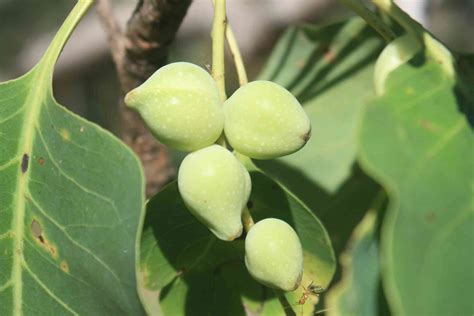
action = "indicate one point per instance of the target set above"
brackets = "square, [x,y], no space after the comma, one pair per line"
[150,31]
[137,54]
[114,37]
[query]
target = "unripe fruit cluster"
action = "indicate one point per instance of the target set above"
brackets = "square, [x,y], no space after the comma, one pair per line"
[180,103]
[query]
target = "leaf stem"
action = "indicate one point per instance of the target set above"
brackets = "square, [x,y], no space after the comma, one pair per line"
[394,11]
[371,18]
[218,41]
[433,47]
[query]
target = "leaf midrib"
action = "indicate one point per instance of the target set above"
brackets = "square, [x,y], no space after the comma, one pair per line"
[41,77]
[32,104]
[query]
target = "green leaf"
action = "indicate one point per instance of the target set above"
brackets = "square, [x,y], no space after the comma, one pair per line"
[416,141]
[330,70]
[71,201]
[198,274]
[357,292]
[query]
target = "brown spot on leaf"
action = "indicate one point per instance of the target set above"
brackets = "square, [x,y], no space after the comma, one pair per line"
[329,56]
[64,266]
[24,163]
[428,125]
[430,217]
[41,161]
[37,231]
[249,204]
[300,63]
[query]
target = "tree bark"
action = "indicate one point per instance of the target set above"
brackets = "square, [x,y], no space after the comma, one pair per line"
[138,53]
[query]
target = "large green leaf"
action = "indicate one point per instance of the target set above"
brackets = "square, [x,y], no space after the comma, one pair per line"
[71,199]
[198,274]
[358,290]
[417,142]
[329,69]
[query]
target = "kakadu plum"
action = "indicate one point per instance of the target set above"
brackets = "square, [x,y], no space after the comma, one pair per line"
[180,104]
[273,254]
[263,120]
[215,187]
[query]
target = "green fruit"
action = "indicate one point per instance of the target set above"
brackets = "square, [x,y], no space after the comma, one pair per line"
[273,254]
[215,188]
[264,120]
[181,106]
[398,52]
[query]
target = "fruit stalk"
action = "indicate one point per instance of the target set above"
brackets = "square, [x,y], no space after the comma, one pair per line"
[236,56]
[218,39]
[235,52]
[247,219]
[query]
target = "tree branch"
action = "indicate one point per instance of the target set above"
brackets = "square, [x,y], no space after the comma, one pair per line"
[114,37]
[137,54]
[150,31]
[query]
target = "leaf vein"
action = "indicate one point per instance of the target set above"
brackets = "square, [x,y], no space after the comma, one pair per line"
[71,179]
[47,290]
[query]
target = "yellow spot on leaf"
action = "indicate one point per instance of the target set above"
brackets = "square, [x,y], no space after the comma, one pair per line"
[65,134]
[409,90]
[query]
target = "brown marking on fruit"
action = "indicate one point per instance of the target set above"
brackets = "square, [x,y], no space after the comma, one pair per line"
[41,161]
[64,266]
[306,136]
[24,163]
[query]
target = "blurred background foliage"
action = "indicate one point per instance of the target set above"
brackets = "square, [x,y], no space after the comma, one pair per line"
[85,79]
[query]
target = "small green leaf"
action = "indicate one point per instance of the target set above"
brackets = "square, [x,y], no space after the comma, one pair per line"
[329,69]
[192,268]
[418,143]
[71,201]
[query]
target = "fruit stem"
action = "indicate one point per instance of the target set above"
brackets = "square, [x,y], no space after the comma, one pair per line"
[218,41]
[247,219]
[236,55]
[235,52]
[371,18]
